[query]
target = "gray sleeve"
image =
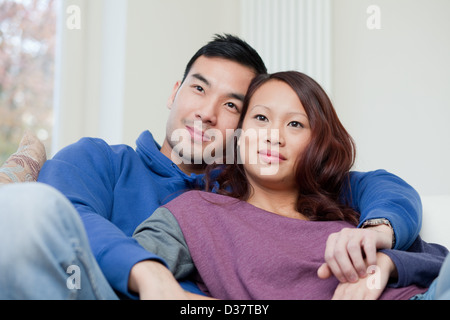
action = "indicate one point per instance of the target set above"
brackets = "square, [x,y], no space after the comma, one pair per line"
[162,235]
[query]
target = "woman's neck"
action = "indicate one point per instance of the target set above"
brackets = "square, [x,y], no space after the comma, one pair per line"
[281,202]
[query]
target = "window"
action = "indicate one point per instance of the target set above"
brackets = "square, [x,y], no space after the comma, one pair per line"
[27,55]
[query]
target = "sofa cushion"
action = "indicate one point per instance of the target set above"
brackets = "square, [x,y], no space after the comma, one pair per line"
[25,164]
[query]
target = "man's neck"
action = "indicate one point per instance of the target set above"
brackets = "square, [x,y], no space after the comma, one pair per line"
[187,168]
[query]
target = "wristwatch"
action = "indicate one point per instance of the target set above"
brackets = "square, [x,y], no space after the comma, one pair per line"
[376,222]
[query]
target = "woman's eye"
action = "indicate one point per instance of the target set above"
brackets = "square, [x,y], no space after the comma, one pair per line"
[295,124]
[260,117]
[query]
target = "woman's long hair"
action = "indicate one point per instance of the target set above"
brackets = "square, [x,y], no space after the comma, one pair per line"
[322,171]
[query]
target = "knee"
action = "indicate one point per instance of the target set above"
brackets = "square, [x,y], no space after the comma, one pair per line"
[443,284]
[30,204]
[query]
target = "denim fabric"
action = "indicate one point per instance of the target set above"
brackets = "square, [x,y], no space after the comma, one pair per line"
[443,281]
[440,287]
[44,251]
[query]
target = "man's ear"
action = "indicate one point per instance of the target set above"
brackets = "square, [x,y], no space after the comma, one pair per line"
[173,95]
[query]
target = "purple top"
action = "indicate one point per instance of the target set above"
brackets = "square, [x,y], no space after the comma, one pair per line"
[243,252]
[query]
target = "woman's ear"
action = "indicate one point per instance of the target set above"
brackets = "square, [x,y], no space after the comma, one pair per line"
[173,95]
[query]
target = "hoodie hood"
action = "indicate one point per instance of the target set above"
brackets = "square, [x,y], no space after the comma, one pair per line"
[150,153]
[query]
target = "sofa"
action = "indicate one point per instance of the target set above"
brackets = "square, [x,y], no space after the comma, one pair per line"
[24,166]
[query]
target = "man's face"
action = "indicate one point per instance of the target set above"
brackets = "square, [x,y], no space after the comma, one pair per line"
[203,107]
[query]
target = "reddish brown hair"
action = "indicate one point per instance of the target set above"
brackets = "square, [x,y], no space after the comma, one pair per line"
[322,171]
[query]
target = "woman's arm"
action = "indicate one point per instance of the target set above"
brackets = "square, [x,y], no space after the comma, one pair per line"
[349,251]
[419,265]
[370,287]
[153,281]
[162,235]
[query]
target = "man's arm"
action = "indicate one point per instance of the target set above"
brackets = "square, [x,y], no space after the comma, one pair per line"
[419,265]
[86,174]
[380,194]
[375,195]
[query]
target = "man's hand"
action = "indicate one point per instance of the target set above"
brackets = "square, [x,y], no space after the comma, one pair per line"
[153,281]
[369,288]
[348,251]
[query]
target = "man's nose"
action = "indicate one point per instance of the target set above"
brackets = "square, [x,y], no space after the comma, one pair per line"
[207,113]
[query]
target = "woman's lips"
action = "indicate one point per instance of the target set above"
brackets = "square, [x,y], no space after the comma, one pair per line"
[271,156]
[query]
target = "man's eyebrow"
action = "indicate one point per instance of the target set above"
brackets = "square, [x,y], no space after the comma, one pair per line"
[198,76]
[237,96]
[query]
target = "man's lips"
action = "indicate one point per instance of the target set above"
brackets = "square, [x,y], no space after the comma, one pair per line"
[271,156]
[198,134]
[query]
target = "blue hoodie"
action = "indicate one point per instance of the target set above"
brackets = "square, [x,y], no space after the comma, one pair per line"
[115,188]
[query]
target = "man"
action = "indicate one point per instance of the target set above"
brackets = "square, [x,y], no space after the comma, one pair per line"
[115,188]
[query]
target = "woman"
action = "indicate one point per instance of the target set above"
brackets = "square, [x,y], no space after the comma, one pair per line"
[262,233]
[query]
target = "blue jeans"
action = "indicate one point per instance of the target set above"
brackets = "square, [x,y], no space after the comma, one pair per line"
[440,287]
[44,250]
[443,281]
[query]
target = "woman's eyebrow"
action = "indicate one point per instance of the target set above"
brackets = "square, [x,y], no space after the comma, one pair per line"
[298,114]
[260,106]
[290,113]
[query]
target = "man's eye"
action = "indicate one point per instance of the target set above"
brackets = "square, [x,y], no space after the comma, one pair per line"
[231,105]
[198,88]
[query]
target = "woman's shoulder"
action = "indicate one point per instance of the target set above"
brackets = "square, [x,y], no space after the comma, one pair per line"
[199,195]
[198,199]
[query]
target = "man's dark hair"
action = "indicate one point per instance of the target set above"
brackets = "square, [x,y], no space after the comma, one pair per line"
[231,48]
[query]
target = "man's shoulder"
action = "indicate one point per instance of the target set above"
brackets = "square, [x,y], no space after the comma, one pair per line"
[93,146]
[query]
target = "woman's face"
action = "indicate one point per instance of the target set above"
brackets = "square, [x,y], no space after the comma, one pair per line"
[275,133]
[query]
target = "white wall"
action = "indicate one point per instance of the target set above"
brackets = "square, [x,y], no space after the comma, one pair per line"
[117,70]
[162,36]
[391,87]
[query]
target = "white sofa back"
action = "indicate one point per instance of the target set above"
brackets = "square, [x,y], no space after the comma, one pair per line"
[436,220]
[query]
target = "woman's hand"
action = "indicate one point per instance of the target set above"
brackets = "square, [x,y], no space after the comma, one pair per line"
[370,287]
[153,281]
[350,251]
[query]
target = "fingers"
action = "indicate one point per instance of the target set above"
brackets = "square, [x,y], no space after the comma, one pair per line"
[370,251]
[349,252]
[339,259]
[324,272]
[359,267]
[369,288]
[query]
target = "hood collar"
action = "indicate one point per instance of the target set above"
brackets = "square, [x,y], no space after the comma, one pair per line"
[150,153]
